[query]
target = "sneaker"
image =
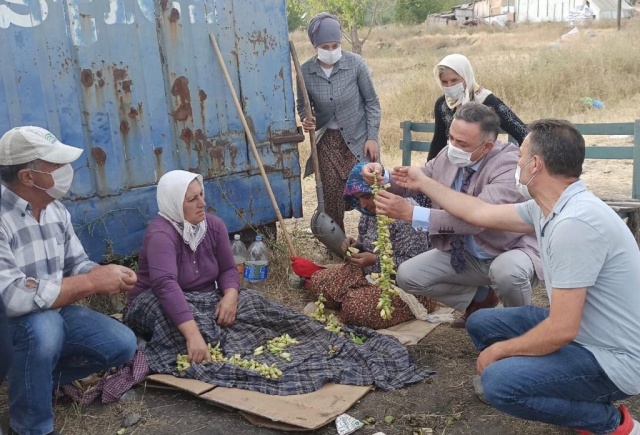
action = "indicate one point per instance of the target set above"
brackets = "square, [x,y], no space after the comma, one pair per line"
[628,426]
[478,390]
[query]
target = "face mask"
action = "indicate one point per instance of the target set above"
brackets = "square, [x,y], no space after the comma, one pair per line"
[523,188]
[62,178]
[329,57]
[455,92]
[460,158]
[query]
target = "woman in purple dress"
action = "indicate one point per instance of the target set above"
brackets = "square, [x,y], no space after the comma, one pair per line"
[187,250]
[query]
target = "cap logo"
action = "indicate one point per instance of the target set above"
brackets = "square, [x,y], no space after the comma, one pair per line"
[51,138]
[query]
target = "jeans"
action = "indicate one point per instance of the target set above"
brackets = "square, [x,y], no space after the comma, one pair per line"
[54,348]
[566,388]
[5,344]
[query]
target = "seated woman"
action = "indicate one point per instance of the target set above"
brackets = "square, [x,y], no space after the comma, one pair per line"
[345,287]
[187,297]
[455,77]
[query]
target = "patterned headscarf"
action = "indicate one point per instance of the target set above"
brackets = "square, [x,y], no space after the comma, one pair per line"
[356,184]
[172,188]
[461,66]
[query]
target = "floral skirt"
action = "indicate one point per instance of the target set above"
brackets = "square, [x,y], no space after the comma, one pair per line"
[336,162]
[348,291]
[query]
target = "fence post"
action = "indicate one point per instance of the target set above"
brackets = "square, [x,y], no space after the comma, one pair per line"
[406,143]
[635,187]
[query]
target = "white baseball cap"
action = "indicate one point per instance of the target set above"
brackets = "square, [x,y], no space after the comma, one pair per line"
[28,143]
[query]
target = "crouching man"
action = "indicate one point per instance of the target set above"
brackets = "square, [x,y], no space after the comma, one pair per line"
[566,365]
[44,270]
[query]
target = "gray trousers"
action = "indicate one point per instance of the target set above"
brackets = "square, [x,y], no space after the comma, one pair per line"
[511,274]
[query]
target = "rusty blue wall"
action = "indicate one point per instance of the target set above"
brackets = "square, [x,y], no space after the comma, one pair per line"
[136,84]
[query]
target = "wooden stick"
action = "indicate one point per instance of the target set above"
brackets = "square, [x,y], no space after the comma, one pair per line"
[312,134]
[249,134]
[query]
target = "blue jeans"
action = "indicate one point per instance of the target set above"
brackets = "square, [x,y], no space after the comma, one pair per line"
[566,388]
[6,351]
[55,348]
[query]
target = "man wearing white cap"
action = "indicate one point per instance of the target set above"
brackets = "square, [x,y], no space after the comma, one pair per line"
[44,270]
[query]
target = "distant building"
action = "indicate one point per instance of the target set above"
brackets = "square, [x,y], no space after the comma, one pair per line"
[529,11]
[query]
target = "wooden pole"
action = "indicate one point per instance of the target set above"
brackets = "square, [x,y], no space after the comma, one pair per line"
[249,134]
[619,12]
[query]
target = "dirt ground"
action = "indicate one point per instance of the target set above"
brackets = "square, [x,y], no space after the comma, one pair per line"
[446,403]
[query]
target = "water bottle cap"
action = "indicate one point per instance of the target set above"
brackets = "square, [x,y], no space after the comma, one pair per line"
[236,237]
[258,238]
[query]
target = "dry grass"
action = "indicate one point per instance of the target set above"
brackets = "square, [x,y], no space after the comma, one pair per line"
[526,66]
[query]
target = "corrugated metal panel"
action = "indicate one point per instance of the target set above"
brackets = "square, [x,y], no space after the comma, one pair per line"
[137,85]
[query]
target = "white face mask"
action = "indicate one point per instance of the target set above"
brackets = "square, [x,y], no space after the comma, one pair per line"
[523,188]
[455,92]
[62,178]
[460,158]
[329,57]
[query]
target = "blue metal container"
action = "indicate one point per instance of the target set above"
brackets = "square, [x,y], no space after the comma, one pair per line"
[136,84]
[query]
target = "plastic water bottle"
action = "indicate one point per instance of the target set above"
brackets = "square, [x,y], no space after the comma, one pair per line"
[256,267]
[239,254]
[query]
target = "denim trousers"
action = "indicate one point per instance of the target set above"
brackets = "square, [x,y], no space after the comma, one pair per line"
[566,388]
[53,348]
[6,352]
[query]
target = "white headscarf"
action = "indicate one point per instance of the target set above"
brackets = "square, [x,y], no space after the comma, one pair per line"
[171,192]
[460,64]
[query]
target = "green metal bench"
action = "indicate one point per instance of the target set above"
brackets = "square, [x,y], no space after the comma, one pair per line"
[408,145]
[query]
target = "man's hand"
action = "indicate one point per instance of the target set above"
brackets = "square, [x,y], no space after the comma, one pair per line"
[309,124]
[227,308]
[112,279]
[488,356]
[394,206]
[410,177]
[368,170]
[347,243]
[363,259]
[371,150]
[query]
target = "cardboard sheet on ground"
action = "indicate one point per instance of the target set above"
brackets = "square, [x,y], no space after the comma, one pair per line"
[411,332]
[288,413]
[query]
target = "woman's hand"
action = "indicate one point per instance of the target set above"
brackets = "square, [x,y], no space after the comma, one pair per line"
[368,172]
[363,259]
[227,308]
[347,243]
[371,150]
[309,124]
[197,350]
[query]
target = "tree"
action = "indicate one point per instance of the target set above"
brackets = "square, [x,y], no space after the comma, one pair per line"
[294,14]
[354,14]
[416,11]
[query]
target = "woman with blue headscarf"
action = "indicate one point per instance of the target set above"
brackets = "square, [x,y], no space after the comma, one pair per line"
[346,110]
[346,287]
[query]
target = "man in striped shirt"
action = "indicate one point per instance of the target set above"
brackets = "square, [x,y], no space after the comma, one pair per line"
[44,270]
